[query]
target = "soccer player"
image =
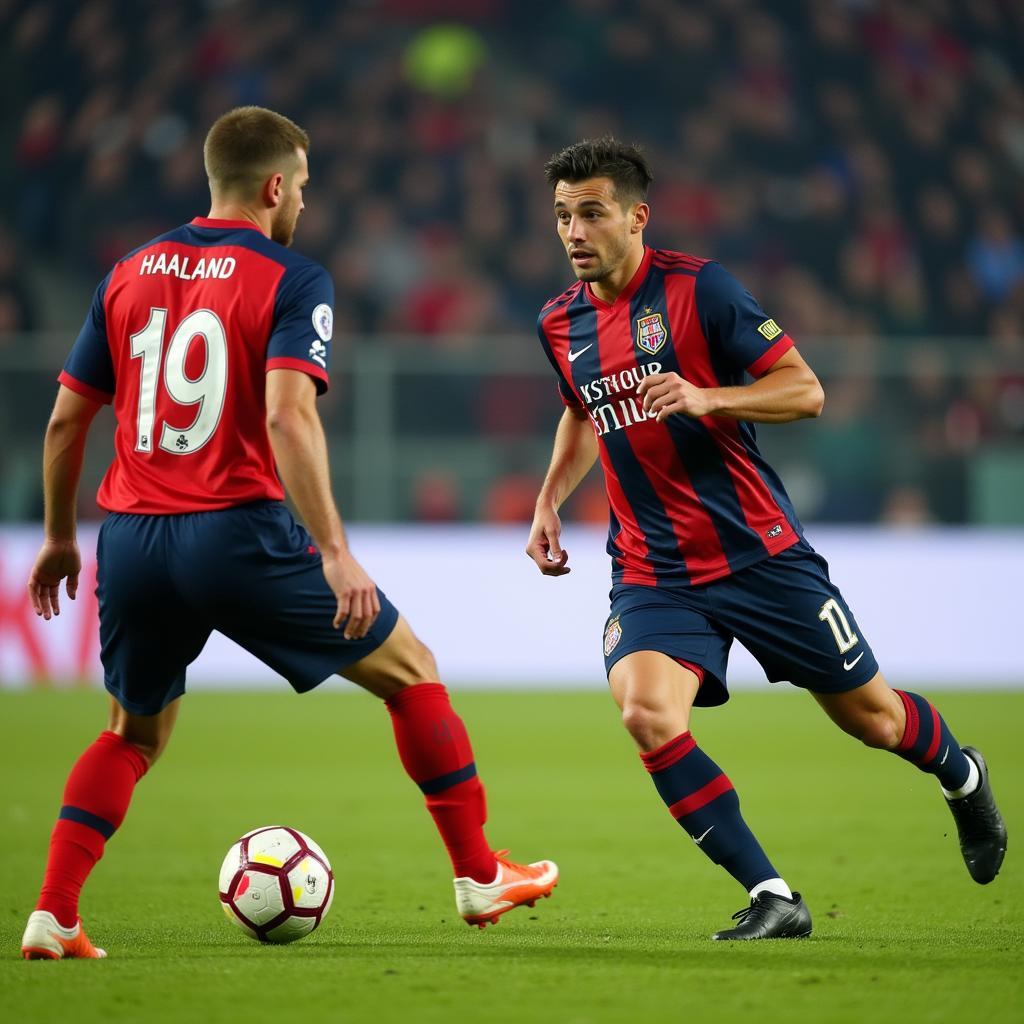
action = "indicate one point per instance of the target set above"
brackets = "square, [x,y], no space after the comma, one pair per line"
[213,342]
[652,349]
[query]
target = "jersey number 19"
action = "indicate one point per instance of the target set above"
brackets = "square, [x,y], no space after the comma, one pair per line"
[207,390]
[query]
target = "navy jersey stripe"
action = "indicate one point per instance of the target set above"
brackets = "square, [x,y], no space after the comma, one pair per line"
[664,558]
[246,238]
[768,475]
[697,450]
[708,363]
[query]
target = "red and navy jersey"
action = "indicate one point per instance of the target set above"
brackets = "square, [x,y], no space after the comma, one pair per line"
[180,336]
[692,500]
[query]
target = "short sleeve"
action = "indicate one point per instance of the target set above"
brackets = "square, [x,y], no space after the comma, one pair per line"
[735,325]
[89,369]
[565,391]
[303,324]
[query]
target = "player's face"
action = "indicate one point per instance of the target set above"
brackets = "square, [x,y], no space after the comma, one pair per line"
[594,228]
[286,216]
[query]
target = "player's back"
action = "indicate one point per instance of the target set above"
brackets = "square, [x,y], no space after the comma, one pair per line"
[180,335]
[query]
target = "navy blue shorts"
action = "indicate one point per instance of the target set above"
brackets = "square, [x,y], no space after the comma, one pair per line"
[166,582]
[785,610]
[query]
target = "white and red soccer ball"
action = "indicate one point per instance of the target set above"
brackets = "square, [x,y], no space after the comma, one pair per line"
[276,884]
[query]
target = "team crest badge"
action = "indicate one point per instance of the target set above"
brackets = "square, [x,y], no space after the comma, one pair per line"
[612,635]
[651,333]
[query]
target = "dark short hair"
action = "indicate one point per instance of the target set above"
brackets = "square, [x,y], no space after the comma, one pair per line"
[248,143]
[606,157]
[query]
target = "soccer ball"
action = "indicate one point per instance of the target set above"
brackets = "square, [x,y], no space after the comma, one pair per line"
[276,884]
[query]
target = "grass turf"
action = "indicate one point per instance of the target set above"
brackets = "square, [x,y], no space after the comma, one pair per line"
[900,930]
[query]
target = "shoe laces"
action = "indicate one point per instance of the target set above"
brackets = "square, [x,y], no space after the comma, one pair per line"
[757,909]
[502,857]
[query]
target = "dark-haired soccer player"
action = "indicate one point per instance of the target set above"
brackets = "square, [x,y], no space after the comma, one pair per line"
[213,342]
[652,350]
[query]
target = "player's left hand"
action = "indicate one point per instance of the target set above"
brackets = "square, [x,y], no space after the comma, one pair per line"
[358,603]
[668,394]
[57,560]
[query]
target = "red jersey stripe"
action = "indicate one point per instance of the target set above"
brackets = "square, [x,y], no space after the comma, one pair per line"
[85,390]
[667,476]
[761,512]
[771,357]
[284,363]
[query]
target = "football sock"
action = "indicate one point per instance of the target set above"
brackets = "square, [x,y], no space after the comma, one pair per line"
[436,753]
[96,798]
[928,743]
[701,798]
[968,787]
[772,885]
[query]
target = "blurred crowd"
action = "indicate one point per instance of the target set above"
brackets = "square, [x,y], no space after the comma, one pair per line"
[857,163]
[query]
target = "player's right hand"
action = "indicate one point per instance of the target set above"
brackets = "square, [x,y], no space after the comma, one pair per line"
[544,546]
[57,560]
[358,603]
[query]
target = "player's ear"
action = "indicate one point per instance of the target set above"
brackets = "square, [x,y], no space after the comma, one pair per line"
[641,214]
[273,189]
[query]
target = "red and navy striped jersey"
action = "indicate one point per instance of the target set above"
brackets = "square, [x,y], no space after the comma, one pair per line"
[691,500]
[180,336]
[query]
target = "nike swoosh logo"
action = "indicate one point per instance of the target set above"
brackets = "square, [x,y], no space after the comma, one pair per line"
[944,756]
[848,665]
[573,356]
[703,837]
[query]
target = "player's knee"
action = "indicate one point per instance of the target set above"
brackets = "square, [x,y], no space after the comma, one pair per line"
[419,665]
[644,722]
[880,730]
[150,747]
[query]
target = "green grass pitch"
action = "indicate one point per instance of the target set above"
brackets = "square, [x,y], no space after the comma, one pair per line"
[901,933]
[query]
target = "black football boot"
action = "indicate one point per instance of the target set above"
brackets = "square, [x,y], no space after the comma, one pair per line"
[770,917]
[980,826]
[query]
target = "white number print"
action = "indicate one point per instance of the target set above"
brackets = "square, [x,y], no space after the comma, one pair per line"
[831,613]
[207,390]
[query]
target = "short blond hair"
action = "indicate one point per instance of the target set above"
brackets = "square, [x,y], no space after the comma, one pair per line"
[247,144]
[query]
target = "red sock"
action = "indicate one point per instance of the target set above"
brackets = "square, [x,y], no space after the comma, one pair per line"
[437,756]
[96,798]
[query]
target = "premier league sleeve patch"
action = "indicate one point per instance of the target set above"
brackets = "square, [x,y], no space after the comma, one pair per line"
[323,321]
[612,635]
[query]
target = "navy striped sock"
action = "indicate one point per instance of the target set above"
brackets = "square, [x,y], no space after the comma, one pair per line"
[701,798]
[928,743]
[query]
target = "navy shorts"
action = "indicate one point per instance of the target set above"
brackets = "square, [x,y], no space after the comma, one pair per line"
[785,610]
[251,572]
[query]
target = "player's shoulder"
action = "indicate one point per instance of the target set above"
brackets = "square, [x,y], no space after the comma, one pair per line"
[559,301]
[681,262]
[195,233]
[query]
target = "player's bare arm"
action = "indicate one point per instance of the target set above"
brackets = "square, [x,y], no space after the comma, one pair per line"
[63,451]
[788,391]
[575,451]
[300,449]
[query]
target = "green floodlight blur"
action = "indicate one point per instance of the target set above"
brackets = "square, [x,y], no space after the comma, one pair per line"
[443,58]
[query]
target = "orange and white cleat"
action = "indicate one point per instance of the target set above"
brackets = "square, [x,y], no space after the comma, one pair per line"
[515,885]
[45,939]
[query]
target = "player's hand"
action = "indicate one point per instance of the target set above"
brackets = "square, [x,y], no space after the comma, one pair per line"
[57,560]
[668,394]
[358,603]
[544,546]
